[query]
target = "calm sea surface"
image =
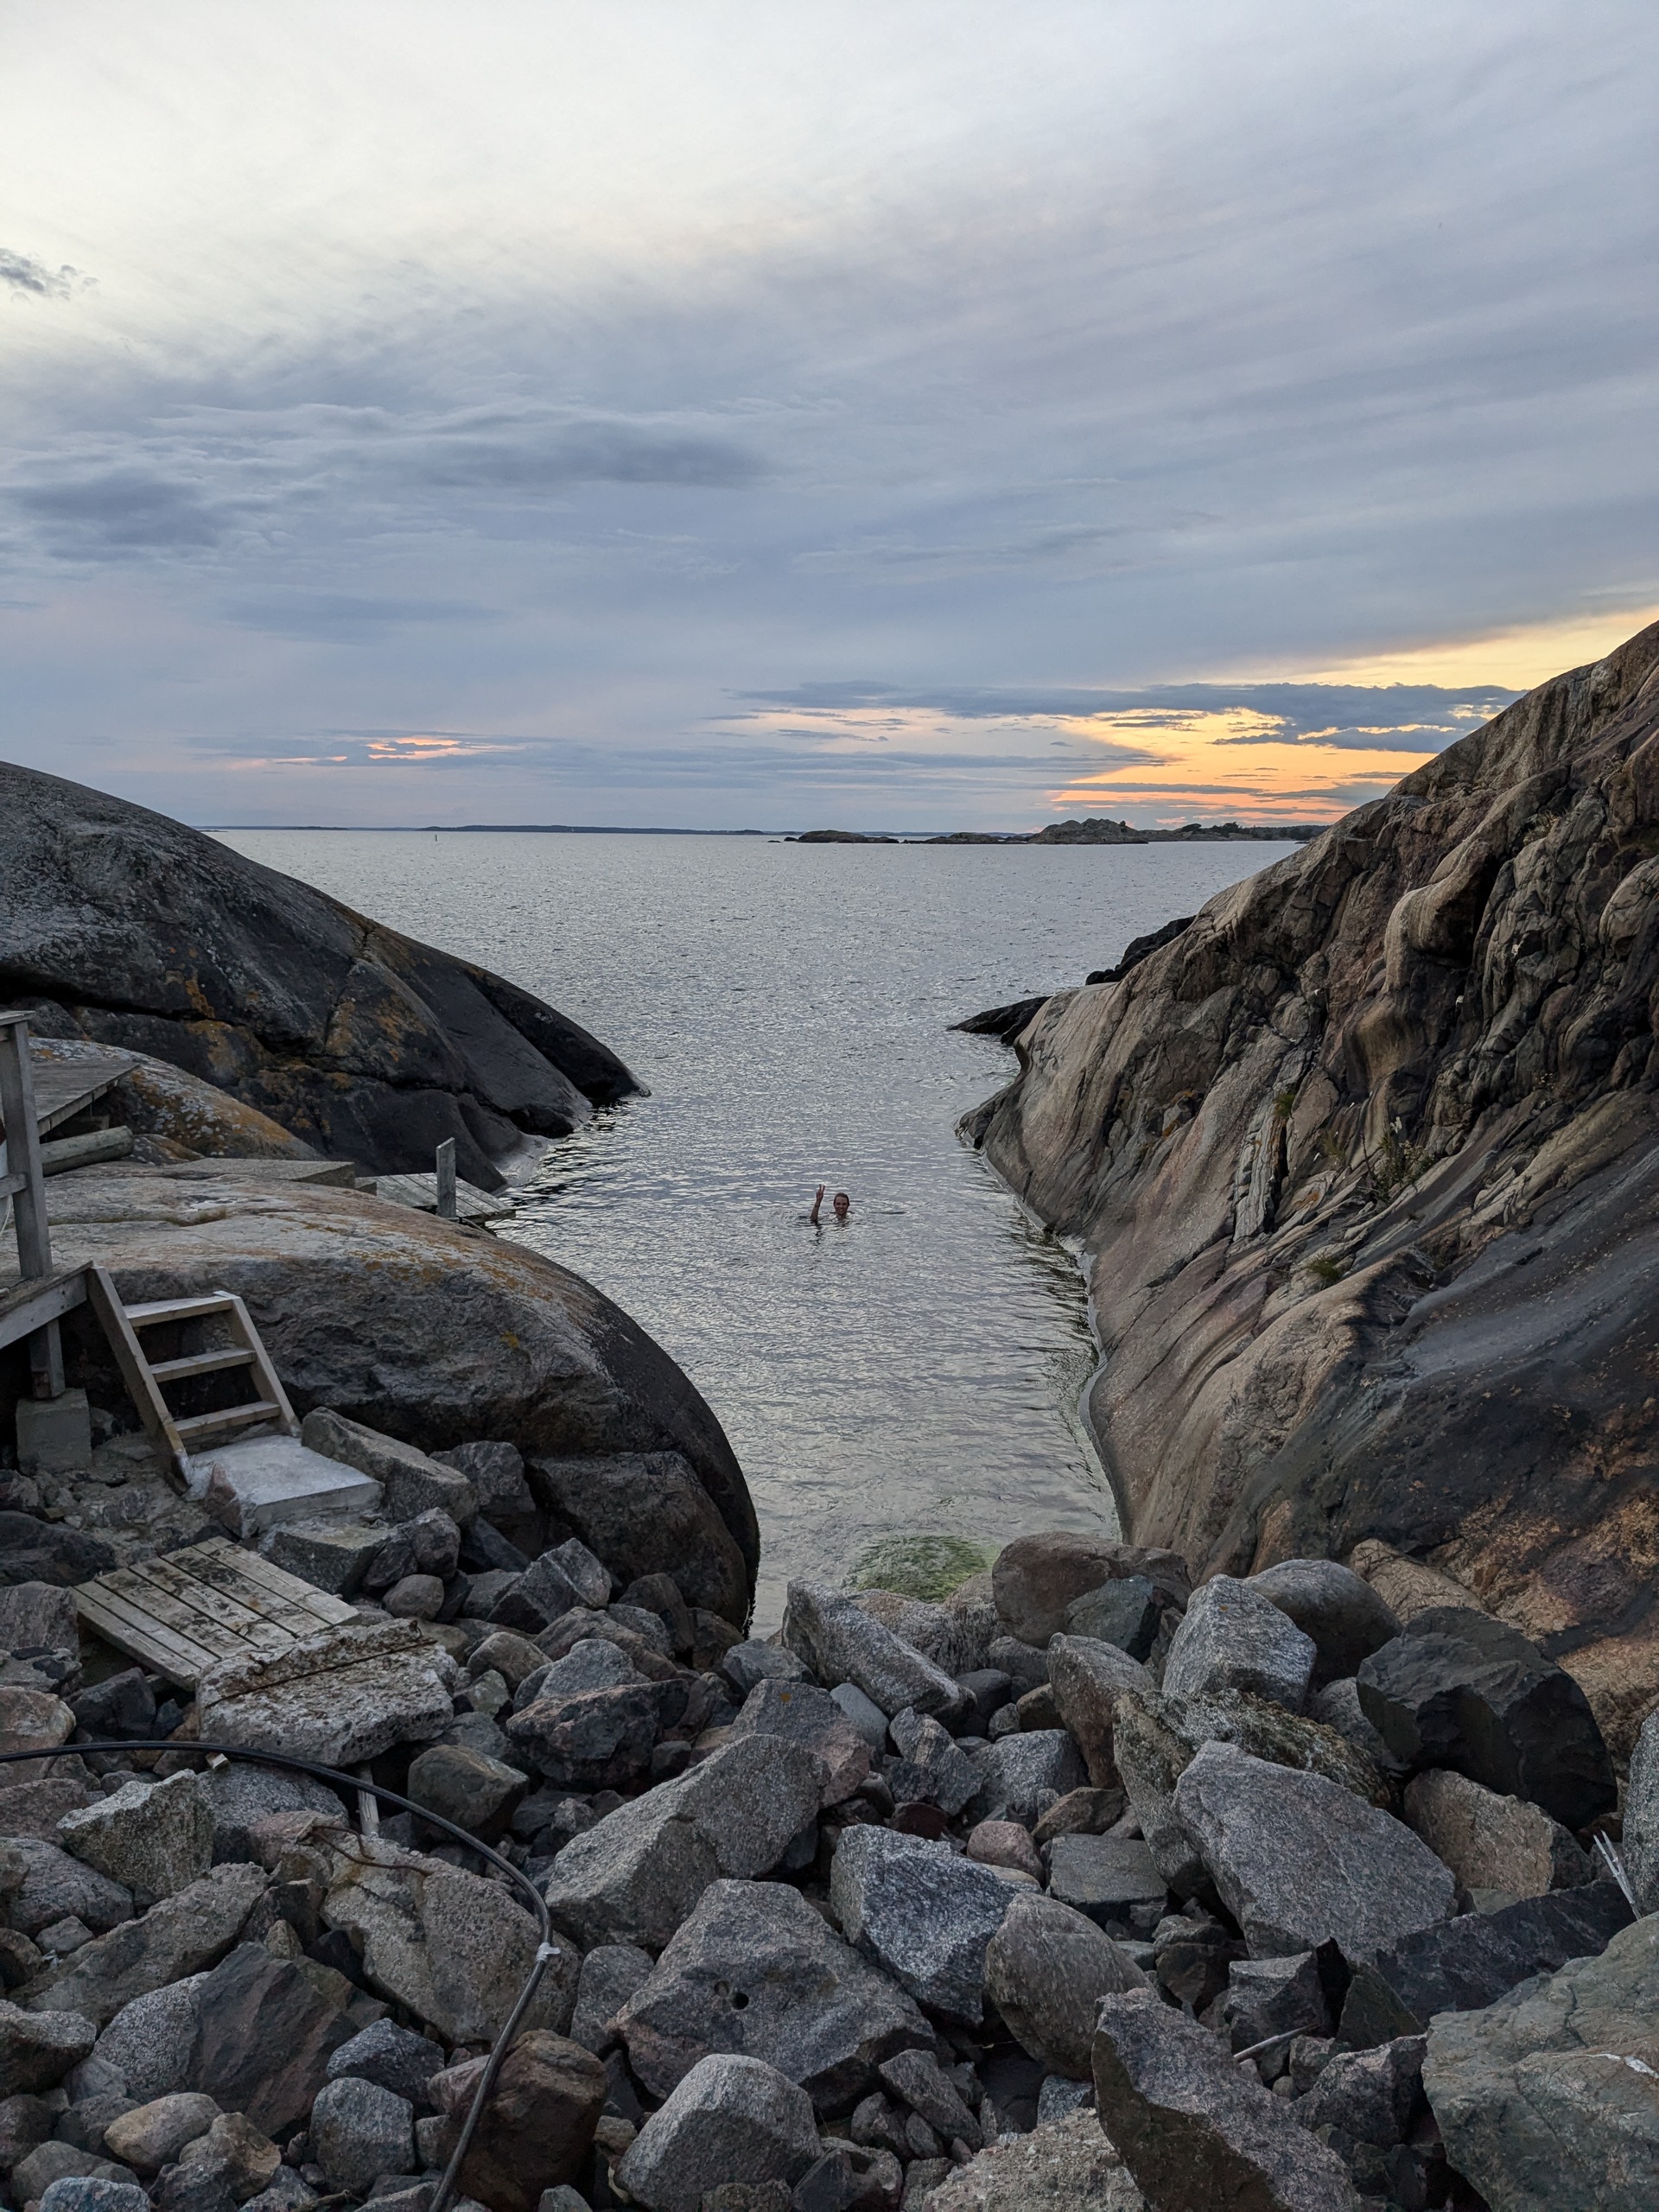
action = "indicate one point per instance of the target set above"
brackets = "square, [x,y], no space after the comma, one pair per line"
[918,1371]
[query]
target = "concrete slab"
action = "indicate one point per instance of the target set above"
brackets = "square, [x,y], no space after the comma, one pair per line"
[261,1482]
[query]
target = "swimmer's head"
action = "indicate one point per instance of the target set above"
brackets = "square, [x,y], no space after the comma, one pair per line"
[843,1205]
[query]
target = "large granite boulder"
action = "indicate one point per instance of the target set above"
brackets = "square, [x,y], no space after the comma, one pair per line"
[1047,1970]
[129,929]
[1548,2099]
[1364,1166]
[427,1334]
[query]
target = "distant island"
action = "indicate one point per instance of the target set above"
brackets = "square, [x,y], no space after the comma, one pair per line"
[1097,831]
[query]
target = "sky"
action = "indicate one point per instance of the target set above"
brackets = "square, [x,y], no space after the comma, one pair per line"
[891,414]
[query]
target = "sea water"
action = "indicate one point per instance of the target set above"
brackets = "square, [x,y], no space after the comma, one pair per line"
[916,1372]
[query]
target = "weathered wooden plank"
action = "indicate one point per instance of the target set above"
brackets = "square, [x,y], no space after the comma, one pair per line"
[173,1587]
[142,1638]
[223,1572]
[192,1609]
[330,1610]
[64,1088]
[222,1638]
[29,1306]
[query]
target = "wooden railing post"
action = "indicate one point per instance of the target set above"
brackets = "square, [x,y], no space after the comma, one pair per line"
[26,1185]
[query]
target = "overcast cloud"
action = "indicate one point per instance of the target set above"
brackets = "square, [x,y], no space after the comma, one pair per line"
[925,415]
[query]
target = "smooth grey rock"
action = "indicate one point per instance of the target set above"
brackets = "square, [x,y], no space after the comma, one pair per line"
[842,1642]
[952,1776]
[1233,1638]
[537,2124]
[393,2057]
[1005,1843]
[864,1712]
[1337,1706]
[924,1915]
[1025,1665]
[1102,1876]
[38,2049]
[731,2119]
[1458,1688]
[1194,2127]
[635,1875]
[749,1663]
[805,1715]
[476,1792]
[1492,1842]
[410,1483]
[264,2031]
[754,1969]
[148,2043]
[152,2135]
[1088,1677]
[239,1794]
[1020,1776]
[1296,1859]
[611,1973]
[1462,1964]
[1549,2097]
[25,2122]
[156,1838]
[1369,2094]
[1047,1970]
[84,2119]
[330,1554]
[1641,1842]
[358,2131]
[1125,1613]
[58,1886]
[92,2193]
[67,2165]
[176,1938]
[1036,1577]
[918,2079]
[1347,1619]
[338,1698]
[1063,2165]
[233,2160]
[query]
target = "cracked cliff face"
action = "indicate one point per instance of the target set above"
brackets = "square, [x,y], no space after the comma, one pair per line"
[123,926]
[1365,1166]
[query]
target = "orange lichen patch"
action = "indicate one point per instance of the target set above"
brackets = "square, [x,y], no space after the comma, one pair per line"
[1620,1677]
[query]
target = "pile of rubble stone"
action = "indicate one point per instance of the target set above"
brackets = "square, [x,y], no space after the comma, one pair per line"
[1081,1888]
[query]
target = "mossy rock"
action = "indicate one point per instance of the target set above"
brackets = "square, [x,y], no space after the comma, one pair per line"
[920,1566]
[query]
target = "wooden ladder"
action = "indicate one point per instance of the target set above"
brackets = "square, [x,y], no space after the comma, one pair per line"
[178,1435]
[24,1184]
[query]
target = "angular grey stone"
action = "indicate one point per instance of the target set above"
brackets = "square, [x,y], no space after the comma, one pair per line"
[1492,1842]
[594,1663]
[25,2123]
[1047,1970]
[1037,1577]
[288,2193]
[1271,1997]
[148,2043]
[635,1876]
[476,1792]
[1549,2097]
[1025,1664]
[152,2135]
[924,1915]
[1088,1677]
[611,1973]
[1233,1637]
[805,1715]
[747,1664]
[233,2160]
[1020,1776]
[842,1642]
[393,2057]
[864,1712]
[1102,1876]
[496,1472]
[359,2131]
[337,1698]
[178,1937]
[58,1886]
[84,2119]
[410,1483]
[1337,1706]
[239,1794]
[156,1838]
[330,1554]
[592,1738]
[264,2032]
[918,2079]
[1296,1859]
[36,1616]
[1347,1619]
[1124,1613]
[1194,2127]
[754,1969]
[34,1809]
[952,1776]
[1458,1688]
[731,2119]
[1369,2094]
[1060,2094]
[38,2049]
[1641,1841]
[1460,1965]
[92,2193]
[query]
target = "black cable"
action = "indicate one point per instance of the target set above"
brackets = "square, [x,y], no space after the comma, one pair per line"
[546,1948]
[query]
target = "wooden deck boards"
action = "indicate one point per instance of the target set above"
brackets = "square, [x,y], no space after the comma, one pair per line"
[183,1613]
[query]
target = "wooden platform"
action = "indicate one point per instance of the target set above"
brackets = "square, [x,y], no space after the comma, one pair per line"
[65,1088]
[183,1613]
[421,1191]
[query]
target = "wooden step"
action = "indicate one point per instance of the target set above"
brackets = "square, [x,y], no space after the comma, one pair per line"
[232,1417]
[201,1363]
[179,1309]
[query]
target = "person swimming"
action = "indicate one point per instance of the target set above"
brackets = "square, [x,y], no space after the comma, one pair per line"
[841,1206]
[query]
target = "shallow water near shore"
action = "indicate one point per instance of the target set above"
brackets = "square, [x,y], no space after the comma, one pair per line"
[918,1371]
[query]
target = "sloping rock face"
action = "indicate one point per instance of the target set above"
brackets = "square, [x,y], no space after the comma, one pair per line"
[129,929]
[429,1332]
[1366,1168]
